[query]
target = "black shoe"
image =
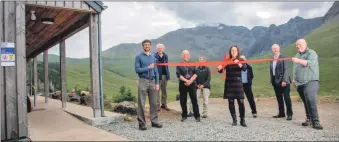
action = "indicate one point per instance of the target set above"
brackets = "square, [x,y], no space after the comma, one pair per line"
[316,125]
[197,119]
[278,116]
[183,119]
[255,115]
[190,114]
[242,122]
[289,118]
[142,127]
[156,125]
[306,123]
[204,116]
[234,120]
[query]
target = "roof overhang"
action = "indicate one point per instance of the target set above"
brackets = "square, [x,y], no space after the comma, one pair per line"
[98,6]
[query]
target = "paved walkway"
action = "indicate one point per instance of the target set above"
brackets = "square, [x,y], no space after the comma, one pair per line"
[49,122]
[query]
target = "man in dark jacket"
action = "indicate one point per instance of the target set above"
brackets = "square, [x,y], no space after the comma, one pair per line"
[280,80]
[164,76]
[203,87]
[247,77]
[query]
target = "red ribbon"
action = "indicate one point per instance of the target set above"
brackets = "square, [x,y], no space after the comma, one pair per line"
[223,63]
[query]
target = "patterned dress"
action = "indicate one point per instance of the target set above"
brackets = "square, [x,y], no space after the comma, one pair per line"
[233,86]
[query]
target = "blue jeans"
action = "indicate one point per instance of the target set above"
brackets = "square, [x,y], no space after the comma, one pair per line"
[308,94]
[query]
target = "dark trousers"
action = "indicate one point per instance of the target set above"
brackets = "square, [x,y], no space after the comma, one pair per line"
[308,93]
[232,107]
[192,91]
[249,95]
[283,93]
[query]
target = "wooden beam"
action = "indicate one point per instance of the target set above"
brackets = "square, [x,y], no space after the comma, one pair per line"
[63,73]
[35,75]
[46,80]
[94,64]
[2,87]
[20,43]
[11,96]
[63,7]
[75,28]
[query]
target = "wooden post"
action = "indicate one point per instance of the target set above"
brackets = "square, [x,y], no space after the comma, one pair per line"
[2,88]
[13,78]
[46,80]
[63,73]
[21,67]
[10,73]
[94,64]
[35,75]
[28,74]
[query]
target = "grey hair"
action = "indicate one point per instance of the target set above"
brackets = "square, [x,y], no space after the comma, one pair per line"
[185,51]
[202,57]
[160,45]
[275,45]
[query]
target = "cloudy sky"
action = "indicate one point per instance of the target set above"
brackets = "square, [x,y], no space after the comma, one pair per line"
[131,22]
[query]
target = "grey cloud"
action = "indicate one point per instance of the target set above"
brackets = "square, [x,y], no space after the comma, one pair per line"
[225,12]
[201,11]
[303,7]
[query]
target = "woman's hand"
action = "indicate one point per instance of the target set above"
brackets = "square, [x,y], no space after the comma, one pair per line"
[219,67]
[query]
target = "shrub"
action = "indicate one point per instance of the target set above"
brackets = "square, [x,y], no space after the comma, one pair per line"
[124,95]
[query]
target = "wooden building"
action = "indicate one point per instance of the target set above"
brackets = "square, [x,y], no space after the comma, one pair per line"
[34,27]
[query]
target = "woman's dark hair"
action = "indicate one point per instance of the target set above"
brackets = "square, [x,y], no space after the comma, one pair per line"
[146,40]
[238,50]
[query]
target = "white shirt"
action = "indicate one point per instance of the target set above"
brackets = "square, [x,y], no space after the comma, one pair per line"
[274,64]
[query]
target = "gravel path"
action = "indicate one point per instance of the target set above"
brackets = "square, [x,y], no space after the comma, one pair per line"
[217,127]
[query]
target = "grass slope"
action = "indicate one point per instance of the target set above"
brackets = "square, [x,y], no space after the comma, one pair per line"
[117,72]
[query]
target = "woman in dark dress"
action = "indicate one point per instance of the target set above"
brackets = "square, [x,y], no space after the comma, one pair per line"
[233,85]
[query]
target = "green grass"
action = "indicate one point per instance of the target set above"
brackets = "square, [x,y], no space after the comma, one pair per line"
[120,71]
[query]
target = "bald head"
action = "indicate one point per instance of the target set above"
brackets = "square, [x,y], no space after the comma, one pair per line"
[301,45]
[276,49]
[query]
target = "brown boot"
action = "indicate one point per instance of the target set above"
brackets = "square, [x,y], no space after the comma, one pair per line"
[165,107]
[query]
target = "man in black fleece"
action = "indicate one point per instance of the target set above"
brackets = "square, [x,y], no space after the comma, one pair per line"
[203,86]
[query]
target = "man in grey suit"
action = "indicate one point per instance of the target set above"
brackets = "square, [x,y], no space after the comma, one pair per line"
[280,80]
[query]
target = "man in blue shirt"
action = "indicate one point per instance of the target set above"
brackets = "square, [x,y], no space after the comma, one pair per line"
[247,77]
[148,85]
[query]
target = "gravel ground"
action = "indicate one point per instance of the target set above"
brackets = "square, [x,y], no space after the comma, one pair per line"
[218,126]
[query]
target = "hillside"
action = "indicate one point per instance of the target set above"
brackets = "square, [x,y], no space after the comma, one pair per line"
[212,41]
